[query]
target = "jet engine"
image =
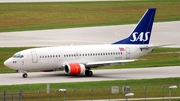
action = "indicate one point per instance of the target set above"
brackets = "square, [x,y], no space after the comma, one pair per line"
[74,68]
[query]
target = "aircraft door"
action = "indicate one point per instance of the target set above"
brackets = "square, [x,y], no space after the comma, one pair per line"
[128,53]
[77,55]
[34,57]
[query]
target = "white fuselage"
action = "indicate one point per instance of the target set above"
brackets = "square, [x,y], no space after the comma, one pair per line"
[52,58]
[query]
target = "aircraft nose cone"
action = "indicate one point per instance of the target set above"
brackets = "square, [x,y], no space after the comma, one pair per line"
[8,63]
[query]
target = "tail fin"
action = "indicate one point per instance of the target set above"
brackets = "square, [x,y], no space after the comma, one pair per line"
[142,32]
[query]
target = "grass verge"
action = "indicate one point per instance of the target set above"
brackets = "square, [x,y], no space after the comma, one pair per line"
[36,16]
[81,90]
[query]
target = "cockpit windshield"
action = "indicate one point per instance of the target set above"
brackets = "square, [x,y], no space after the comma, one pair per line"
[18,56]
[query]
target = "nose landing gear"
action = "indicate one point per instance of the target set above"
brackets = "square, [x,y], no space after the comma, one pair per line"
[25,75]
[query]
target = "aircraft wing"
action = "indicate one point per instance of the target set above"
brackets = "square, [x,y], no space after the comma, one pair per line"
[108,62]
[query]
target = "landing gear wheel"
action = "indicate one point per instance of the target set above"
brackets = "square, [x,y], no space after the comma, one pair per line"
[25,75]
[88,73]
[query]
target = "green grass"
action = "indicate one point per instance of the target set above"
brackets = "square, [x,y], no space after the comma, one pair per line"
[99,89]
[36,16]
[165,50]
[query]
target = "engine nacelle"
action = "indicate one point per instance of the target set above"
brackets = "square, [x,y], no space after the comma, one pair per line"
[74,68]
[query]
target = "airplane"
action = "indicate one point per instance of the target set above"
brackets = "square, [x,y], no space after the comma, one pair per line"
[76,60]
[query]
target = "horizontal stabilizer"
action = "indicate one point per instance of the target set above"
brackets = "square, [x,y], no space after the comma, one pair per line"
[153,46]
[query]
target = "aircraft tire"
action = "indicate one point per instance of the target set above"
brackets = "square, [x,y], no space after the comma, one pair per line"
[25,75]
[88,73]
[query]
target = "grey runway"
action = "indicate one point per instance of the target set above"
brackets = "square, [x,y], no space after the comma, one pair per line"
[162,33]
[99,75]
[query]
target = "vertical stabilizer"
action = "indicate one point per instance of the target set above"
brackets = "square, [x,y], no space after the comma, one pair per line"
[142,32]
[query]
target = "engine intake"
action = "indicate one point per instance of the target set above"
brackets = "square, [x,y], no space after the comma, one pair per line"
[74,68]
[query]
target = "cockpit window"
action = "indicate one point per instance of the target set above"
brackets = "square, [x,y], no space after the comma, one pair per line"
[18,56]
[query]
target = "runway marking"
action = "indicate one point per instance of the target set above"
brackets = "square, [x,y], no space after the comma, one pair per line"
[117,33]
[12,35]
[160,27]
[22,34]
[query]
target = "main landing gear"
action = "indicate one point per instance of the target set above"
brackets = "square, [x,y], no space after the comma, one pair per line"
[88,72]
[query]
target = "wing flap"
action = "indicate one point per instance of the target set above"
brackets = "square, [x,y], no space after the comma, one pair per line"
[108,62]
